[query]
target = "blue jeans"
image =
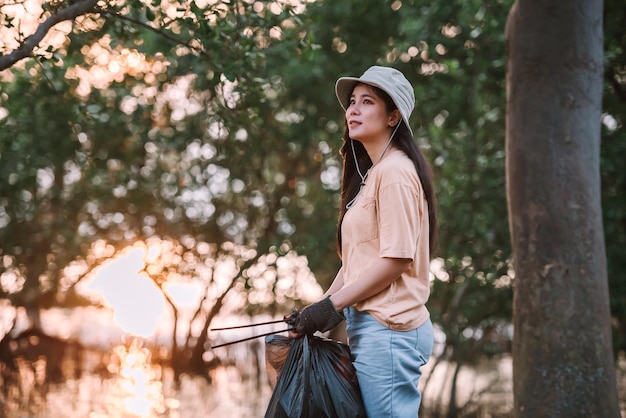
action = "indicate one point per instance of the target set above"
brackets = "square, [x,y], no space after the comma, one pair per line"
[388,364]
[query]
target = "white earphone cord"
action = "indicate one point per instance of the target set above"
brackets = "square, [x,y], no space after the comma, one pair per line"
[363,177]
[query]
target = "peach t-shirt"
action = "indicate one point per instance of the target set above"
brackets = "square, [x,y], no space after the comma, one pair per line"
[390,219]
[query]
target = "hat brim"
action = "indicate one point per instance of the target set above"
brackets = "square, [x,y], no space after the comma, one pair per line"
[345,85]
[343,90]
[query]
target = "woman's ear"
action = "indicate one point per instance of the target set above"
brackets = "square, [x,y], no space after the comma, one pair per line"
[394,118]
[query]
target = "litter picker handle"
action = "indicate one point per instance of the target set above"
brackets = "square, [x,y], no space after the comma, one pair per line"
[253,337]
[288,319]
[249,325]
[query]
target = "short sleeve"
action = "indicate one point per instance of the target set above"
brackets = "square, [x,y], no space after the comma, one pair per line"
[399,220]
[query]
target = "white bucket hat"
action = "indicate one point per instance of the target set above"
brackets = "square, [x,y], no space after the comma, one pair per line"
[388,79]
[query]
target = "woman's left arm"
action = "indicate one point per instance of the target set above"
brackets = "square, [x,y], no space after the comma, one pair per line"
[378,277]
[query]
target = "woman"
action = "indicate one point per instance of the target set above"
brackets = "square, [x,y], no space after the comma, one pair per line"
[387,233]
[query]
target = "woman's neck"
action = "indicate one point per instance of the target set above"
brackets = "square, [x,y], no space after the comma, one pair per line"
[376,149]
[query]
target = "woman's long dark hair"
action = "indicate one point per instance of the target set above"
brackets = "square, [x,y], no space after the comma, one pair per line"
[403,140]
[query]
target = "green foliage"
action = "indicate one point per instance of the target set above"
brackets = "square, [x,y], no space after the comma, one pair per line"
[157,149]
[612,169]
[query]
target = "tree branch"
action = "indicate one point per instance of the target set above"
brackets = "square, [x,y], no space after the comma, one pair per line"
[188,45]
[25,50]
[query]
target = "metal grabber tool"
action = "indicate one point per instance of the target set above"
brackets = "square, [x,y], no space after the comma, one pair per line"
[289,319]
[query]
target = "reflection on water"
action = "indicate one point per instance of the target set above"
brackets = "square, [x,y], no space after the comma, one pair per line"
[53,379]
[127,381]
[135,387]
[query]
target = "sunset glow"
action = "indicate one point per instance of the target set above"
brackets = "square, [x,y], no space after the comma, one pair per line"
[126,284]
[137,389]
[136,301]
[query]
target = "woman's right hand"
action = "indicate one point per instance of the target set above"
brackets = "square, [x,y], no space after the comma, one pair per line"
[319,316]
[291,321]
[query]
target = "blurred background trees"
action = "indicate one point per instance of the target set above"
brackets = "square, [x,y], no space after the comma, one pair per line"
[214,125]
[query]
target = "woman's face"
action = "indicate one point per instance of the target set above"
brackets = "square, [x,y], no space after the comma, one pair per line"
[367,116]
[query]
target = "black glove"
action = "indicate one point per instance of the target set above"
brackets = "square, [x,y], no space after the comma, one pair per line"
[291,318]
[320,316]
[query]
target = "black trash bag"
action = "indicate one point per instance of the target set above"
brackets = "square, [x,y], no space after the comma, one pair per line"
[316,380]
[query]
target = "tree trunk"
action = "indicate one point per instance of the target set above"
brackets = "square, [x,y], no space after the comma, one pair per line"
[453,411]
[562,350]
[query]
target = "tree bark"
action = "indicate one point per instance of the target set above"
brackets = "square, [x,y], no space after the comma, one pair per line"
[562,348]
